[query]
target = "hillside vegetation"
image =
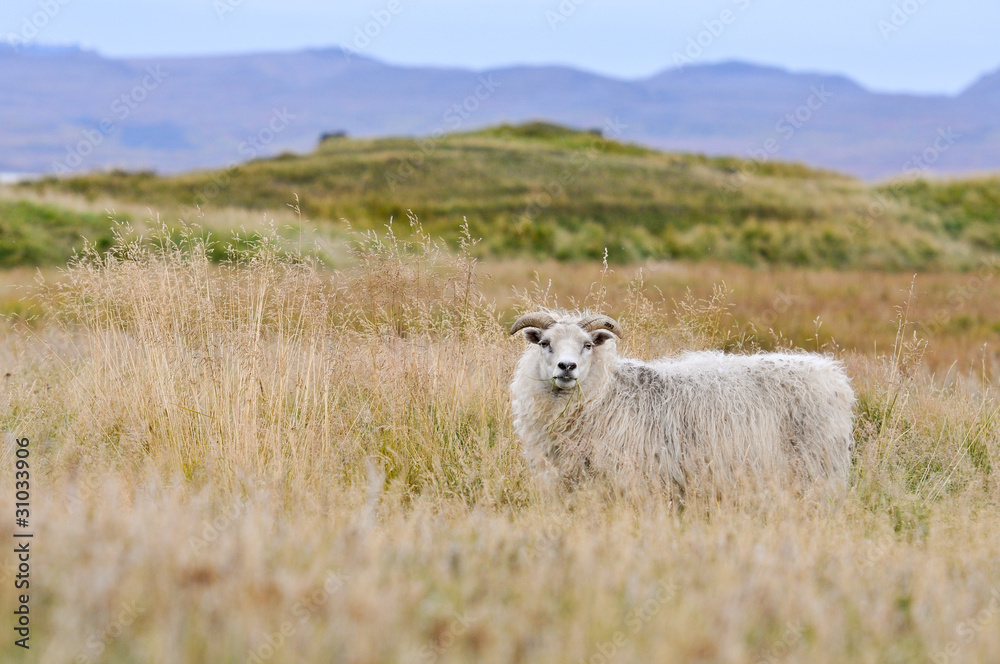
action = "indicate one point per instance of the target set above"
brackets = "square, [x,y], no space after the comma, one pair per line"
[540,190]
[36,234]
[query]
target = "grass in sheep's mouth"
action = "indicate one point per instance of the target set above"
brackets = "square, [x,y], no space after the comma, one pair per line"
[552,382]
[575,391]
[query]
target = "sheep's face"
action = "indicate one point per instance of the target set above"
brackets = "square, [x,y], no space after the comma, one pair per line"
[566,352]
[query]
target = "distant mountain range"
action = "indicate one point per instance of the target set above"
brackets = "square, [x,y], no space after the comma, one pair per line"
[72,110]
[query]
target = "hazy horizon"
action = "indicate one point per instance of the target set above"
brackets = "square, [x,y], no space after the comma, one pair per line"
[511,65]
[886,46]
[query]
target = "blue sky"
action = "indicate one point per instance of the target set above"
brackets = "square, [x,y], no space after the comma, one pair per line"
[927,46]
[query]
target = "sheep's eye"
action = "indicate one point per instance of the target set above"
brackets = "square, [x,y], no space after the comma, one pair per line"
[588,346]
[543,344]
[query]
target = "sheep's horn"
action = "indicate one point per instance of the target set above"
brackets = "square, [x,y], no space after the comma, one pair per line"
[538,319]
[591,323]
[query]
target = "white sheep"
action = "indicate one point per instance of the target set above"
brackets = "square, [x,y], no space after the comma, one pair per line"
[711,417]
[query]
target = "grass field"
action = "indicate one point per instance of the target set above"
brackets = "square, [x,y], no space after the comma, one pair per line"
[270,462]
[291,442]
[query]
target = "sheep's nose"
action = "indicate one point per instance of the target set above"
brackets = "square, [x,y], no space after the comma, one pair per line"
[567,366]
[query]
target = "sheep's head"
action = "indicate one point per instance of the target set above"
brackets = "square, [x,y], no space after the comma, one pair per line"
[566,347]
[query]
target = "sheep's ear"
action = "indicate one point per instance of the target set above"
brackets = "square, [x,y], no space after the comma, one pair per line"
[533,334]
[600,336]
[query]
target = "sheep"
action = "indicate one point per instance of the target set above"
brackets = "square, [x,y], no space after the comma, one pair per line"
[579,410]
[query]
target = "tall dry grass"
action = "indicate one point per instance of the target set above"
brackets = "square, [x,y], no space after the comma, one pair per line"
[263,461]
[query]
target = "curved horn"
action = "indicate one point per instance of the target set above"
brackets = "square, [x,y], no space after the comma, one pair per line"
[591,323]
[538,319]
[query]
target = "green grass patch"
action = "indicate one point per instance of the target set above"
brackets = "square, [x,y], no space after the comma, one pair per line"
[33,234]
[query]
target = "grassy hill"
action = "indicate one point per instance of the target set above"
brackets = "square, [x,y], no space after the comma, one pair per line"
[540,190]
[34,234]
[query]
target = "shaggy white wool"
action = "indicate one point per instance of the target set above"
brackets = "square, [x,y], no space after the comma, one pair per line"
[705,415]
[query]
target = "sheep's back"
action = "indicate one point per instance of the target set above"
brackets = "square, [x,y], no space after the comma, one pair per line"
[727,415]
